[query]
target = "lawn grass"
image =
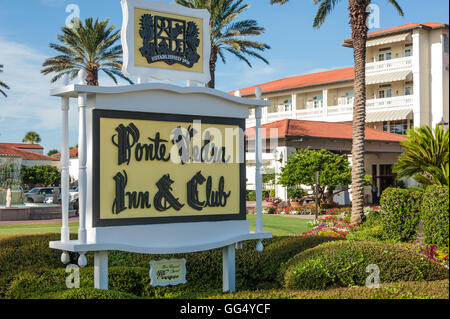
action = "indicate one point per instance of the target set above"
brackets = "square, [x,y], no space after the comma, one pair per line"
[281,225]
[278,225]
[34,229]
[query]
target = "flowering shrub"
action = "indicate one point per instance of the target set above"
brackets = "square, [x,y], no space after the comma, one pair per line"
[328,226]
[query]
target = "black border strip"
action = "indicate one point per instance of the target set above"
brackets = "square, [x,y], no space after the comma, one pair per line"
[97,114]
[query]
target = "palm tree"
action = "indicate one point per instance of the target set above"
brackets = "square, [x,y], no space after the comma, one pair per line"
[31,137]
[425,156]
[229,36]
[3,85]
[358,20]
[90,46]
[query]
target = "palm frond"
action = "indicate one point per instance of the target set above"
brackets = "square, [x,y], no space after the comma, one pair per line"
[91,46]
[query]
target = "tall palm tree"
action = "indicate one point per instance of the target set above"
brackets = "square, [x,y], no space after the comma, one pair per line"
[31,137]
[90,46]
[425,155]
[358,20]
[3,85]
[228,35]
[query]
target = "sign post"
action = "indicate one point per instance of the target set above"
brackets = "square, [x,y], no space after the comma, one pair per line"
[162,167]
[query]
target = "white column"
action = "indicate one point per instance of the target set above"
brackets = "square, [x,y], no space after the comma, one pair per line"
[65,232]
[294,106]
[82,159]
[325,104]
[229,268]
[101,270]
[265,114]
[258,164]
[421,78]
[437,78]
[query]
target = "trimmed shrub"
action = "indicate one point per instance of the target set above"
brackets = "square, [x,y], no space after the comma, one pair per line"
[33,270]
[343,264]
[251,195]
[400,213]
[435,216]
[90,293]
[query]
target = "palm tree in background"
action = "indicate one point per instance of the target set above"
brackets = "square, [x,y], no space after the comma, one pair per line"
[31,137]
[358,12]
[3,85]
[229,36]
[90,46]
[425,156]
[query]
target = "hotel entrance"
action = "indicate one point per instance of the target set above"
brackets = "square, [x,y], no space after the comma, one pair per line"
[383,177]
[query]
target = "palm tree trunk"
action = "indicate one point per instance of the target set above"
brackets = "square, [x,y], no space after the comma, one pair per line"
[92,76]
[212,68]
[358,21]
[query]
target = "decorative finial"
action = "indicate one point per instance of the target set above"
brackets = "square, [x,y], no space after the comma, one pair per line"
[237,93]
[82,77]
[82,261]
[258,92]
[65,79]
[65,258]
[259,246]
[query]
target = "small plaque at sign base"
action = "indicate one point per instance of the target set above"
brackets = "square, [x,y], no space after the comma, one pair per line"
[167,272]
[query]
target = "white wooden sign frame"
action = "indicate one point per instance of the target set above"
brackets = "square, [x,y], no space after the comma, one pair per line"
[147,239]
[127,36]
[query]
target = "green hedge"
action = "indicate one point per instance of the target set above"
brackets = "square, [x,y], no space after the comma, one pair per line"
[32,270]
[435,216]
[400,213]
[343,264]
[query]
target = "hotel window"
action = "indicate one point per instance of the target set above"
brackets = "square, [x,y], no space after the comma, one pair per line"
[287,105]
[384,93]
[385,56]
[408,90]
[407,52]
[399,127]
[349,97]
[318,101]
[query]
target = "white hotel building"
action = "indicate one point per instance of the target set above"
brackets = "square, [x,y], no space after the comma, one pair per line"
[407,78]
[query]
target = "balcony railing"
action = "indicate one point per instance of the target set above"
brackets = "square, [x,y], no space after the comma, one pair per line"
[393,65]
[342,112]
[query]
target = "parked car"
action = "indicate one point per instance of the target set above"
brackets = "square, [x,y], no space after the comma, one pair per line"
[38,194]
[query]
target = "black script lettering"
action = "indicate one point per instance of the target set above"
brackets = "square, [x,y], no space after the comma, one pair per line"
[152,152]
[164,199]
[127,137]
[119,201]
[183,142]
[192,191]
[216,198]
[138,200]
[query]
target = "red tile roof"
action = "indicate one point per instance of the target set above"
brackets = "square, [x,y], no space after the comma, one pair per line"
[318,129]
[24,146]
[404,27]
[72,153]
[346,74]
[10,149]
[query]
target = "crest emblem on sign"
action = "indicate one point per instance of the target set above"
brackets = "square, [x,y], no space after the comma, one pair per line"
[169,40]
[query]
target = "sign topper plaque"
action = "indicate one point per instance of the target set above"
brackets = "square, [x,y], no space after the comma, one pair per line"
[165,41]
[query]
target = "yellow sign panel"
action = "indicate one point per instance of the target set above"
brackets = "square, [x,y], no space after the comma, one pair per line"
[168,41]
[156,170]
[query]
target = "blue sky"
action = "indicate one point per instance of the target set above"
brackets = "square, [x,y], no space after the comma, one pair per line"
[27,26]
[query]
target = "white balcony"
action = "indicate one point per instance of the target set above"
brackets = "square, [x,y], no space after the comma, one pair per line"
[387,66]
[338,113]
